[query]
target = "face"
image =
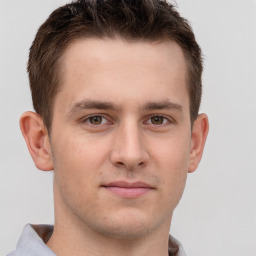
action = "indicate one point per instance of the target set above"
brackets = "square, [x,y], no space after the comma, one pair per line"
[121,135]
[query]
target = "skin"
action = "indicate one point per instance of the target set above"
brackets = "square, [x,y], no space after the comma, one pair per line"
[122,114]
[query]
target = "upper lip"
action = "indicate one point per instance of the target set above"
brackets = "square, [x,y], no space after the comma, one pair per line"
[125,184]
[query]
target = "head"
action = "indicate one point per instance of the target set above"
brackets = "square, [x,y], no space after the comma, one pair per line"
[115,85]
[146,20]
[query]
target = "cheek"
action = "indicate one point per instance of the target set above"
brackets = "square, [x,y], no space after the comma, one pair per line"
[77,166]
[172,161]
[175,169]
[79,153]
[173,152]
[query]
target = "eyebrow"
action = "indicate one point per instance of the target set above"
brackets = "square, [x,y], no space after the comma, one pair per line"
[92,104]
[104,105]
[162,105]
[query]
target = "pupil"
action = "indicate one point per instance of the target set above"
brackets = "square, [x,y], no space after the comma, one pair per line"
[157,120]
[96,120]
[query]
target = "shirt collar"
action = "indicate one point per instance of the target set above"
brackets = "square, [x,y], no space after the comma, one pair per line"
[30,243]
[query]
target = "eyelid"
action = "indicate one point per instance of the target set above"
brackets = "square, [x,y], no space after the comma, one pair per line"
[103,116]
[110,120]
[169,119]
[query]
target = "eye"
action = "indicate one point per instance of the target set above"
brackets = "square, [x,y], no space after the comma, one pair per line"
[157,120]
[95,120]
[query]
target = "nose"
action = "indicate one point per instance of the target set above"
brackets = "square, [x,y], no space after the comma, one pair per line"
[128,149]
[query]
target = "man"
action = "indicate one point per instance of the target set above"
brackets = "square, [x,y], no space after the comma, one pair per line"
[116,86]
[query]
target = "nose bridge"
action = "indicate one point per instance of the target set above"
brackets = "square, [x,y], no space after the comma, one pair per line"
[129,149]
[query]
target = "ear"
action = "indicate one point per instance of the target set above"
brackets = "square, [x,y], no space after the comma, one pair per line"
[198,138]
[37,139]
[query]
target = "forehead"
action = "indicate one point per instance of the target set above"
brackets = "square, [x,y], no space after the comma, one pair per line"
[117,69]
[120,51]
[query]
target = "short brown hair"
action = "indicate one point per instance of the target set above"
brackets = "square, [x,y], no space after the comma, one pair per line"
[147,20]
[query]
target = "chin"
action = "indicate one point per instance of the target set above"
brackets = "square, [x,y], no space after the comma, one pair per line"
[125,231]
[128,226]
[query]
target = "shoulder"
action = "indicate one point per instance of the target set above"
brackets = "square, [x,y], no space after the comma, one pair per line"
[32,241]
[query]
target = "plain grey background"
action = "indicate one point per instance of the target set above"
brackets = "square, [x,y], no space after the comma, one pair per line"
[217,214]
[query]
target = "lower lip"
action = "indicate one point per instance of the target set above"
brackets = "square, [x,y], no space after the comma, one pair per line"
[128,192]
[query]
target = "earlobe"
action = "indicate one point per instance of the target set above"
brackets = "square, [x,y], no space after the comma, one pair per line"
[37,139]
[198,139]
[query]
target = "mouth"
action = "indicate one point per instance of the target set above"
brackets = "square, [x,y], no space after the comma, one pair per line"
[128,189]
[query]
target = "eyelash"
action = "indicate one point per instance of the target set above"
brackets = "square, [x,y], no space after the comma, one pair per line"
[87,120]
[166,120]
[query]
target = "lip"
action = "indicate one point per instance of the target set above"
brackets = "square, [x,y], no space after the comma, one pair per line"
[128,189]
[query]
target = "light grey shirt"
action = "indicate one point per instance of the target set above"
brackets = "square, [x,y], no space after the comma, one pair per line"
[33,239]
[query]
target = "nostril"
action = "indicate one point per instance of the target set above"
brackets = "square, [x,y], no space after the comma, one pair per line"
[119,163]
